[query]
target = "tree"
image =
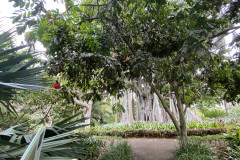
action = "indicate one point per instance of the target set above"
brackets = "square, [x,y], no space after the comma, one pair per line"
[168,43]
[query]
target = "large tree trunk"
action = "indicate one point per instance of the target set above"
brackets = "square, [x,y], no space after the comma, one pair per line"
[145,102]
[133,106]
[225,106]
[125,106]
[130,107]
[116,110]
[87,110]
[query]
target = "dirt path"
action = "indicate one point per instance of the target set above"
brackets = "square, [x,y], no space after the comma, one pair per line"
[153,148]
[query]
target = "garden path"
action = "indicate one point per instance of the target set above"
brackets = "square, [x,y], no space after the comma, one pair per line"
[153,148]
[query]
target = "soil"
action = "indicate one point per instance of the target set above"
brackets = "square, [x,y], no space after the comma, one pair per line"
[153,148]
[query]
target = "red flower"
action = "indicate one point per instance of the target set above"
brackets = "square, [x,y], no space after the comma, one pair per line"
[57,86]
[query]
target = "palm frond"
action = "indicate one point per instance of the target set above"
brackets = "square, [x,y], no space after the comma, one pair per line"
[58,142]
[16,69]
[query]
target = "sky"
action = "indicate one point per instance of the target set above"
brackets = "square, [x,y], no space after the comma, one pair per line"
[7,10]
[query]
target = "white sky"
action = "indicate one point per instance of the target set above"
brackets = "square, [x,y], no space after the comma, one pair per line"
[6,10]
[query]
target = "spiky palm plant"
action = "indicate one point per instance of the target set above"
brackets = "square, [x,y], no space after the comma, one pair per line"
[16,70]
[59,141]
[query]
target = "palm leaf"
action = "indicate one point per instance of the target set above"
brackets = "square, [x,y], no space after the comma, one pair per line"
[58,142]
[16,70]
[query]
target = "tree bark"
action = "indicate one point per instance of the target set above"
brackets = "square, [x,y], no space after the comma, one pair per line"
[225,106]
[88,109]
[183,127]
[133,107]
[130,108]
[166,107]
[116,110]
[125,106]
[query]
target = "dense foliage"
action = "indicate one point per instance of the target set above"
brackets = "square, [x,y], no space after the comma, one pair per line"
[17,71]
[58,142]
[194,150]
[233,137]
[120,151]
[165,126]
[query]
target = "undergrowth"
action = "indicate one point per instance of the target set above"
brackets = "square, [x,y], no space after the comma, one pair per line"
[160,126]
[195,151]
[120,151]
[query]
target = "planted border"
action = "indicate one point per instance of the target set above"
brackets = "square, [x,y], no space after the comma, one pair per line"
[157,133]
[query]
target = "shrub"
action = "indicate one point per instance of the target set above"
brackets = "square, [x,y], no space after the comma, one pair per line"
[234,154]
[234,112]
[121,151]
[233,137]
[94,148]
[194,151]
[213,112]
[234,142]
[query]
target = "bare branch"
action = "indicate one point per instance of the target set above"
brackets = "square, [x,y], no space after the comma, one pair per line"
[93,5]
[222,32]
[79,102]
[225,31]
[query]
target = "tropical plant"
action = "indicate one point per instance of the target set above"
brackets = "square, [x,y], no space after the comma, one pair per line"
[17,70]
[234,153]
[158,126]
[101,113]
[120,151]
[233,137]
[194,151]
[234,112]
[213,112]
[59,141]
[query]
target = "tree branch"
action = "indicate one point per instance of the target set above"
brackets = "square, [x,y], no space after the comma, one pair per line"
[222,32]
[79,102]
[93,5]
[225,31]
[183,88]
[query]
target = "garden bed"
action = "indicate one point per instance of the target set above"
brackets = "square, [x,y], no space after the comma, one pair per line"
[156,133]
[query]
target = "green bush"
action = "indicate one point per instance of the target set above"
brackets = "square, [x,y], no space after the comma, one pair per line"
[94,148]
[121,151]
[213,112]
[194,151]
[155,126]
[234,153]
[234,112]
[233,137]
